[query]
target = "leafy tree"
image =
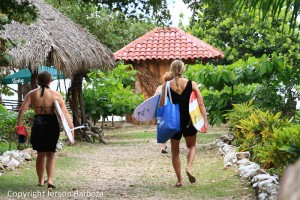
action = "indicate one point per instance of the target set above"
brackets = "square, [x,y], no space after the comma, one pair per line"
[226,85]
[110,93]
[157,10]
[274,8]
[113,29]
[262,8]
[242,36]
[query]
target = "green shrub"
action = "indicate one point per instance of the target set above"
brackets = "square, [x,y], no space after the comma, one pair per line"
[252,126]
[8,122]
[273,141]
[282,149]
[234,116]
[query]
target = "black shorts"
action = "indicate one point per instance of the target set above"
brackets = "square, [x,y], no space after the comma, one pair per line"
[44,133]
[188,130]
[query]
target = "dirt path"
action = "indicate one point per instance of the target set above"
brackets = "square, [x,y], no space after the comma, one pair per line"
[133,168]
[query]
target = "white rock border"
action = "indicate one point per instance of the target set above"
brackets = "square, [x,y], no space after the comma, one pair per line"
[10,160]
[265,185]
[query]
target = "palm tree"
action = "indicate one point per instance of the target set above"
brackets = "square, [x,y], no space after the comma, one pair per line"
[274,7]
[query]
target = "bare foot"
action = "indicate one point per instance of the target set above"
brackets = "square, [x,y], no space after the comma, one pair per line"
[42,182]
[178,185]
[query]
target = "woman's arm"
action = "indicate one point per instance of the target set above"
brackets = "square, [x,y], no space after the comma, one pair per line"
[162,97]
[23,108]
[201,103]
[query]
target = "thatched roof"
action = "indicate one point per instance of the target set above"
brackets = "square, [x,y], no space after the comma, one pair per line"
[70,47]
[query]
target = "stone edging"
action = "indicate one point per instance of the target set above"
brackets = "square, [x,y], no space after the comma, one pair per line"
[266,186]
[10,160]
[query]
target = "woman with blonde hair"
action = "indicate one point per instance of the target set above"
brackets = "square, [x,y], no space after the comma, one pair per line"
[181,89]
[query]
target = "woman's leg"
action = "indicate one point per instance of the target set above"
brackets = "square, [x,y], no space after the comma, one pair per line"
[40,166]
[50,166]
[176,160]
[164,148]
[191,146]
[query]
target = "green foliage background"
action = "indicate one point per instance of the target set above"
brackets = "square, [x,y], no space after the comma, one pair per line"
[110,93]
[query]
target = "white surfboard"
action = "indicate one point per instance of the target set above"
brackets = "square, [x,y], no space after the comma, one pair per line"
[146,111]
[63,121]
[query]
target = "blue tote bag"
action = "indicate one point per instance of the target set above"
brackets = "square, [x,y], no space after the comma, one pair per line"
[168,118]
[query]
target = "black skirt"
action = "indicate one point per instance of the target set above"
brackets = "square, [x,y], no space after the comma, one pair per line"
[44,133]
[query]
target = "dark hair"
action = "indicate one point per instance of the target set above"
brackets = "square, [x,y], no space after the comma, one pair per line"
[44,78]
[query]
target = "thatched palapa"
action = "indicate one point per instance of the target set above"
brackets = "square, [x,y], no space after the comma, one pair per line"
[54,39]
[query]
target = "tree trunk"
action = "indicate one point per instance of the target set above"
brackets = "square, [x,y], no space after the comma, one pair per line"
[34,75]
[102,123]
[81,104]
[79,117]
[95,133]
[74,100]
[20,95]
[291,104]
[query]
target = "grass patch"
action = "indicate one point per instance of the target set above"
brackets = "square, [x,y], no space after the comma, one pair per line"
[121,138]
[208,137]
[24,179]
[137,135]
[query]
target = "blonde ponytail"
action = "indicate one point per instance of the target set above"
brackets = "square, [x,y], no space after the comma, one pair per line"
[177,68]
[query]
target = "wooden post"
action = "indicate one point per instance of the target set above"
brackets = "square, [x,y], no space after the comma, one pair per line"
[34,75]
[74,100]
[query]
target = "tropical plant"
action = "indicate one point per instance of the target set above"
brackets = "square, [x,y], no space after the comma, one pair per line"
[110,93]
[265,9]
[242,36]
[8,121]
[252,126]
[233,84]
[239,112]
[282,149]
[274,8]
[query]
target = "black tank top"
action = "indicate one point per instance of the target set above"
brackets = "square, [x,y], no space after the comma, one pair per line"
[183,101]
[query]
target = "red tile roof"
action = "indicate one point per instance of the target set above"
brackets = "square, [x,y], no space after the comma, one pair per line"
[167,43]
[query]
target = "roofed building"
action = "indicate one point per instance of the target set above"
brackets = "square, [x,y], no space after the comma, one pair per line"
[152,54]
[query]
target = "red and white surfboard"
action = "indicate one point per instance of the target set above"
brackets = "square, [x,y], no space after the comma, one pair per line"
[195,114]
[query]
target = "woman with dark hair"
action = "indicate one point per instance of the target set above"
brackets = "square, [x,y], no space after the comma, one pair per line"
[181,89]
[45,130]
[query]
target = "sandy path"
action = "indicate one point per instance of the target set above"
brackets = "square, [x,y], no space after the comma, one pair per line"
[135,169]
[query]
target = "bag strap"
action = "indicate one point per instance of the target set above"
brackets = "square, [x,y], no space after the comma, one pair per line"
[167,90]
